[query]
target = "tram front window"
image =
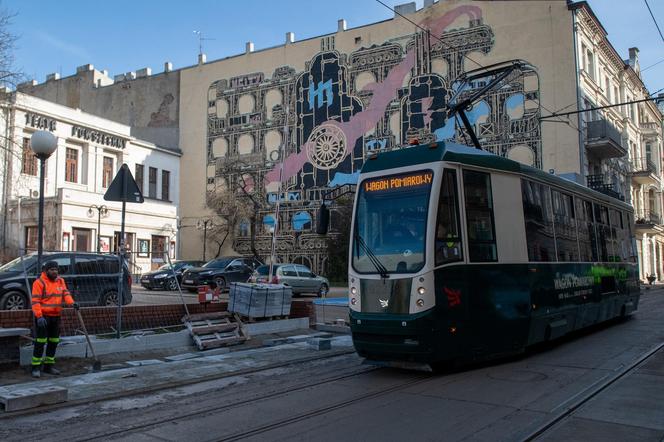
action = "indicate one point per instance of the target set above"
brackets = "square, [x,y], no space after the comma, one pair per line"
[390,223]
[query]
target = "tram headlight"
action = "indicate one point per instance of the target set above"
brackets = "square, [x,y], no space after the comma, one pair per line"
[419,302]
[353,301]
[353,291]
[421,291]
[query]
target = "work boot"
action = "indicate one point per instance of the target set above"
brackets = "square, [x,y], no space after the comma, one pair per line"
[36,372]
[50,369]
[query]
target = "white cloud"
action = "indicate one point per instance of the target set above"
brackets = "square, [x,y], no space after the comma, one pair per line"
[69,48]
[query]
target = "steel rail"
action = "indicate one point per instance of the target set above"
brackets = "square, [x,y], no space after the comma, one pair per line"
[594,390]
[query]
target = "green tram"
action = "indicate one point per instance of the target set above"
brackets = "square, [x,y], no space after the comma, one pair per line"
[457,254]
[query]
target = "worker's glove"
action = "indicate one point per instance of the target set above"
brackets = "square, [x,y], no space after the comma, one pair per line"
[41,322]
[76,306]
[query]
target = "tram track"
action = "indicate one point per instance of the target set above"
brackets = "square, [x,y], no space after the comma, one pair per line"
[590,393]
[272,395]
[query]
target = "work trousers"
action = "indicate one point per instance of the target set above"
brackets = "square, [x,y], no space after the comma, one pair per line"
[48,336]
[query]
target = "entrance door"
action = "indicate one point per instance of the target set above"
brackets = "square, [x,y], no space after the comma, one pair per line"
[82,240]
[159,250]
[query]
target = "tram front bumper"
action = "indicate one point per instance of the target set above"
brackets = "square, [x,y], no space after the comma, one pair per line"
[397,337]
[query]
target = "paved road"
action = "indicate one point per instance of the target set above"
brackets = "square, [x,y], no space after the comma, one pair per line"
[142,296]
[345,400]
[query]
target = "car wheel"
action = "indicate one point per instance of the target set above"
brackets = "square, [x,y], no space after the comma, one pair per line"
[221,284]
[172,284]
[109,299]
[323,290]
[13,301]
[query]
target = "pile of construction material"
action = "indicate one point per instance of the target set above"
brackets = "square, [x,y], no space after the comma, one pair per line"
[260,300]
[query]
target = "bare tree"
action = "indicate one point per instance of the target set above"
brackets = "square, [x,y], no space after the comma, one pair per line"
[9,76]
[230,210]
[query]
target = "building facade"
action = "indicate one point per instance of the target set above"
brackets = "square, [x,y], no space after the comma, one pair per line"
[290,122]
[90,151]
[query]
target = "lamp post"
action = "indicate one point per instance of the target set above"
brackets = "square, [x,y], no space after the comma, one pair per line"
[101,211]
[203,224]
[43,144]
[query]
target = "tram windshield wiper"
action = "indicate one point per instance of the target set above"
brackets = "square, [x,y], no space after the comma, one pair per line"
[382,270]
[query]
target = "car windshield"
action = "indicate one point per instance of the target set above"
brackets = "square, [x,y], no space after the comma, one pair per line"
[19,264]
[390,223]
[217,264]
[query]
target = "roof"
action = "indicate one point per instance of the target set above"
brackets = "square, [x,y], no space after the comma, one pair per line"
[457,153]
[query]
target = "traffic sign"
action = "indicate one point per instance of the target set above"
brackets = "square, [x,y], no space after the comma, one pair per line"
[124,188]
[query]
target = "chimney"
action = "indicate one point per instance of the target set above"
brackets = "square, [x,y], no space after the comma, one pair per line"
[168,66]
[145,72]
[634,57]
[202,58]
[341,25]
[53,76]
[405,9]
[249,47]
[85,68]
[290,37]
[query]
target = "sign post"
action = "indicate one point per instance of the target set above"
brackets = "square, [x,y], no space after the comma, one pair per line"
[123,188]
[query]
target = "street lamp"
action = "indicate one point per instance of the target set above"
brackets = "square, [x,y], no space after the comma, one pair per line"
[202,224]
[101,211]
[43,144]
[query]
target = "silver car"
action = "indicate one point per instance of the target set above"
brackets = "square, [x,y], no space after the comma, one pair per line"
[299,277]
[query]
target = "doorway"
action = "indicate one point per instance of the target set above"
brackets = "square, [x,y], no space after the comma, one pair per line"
[159,250]
[82,240]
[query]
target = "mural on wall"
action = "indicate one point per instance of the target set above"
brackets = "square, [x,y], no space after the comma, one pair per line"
[312,130]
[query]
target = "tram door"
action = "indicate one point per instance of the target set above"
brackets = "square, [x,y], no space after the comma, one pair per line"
[498,293]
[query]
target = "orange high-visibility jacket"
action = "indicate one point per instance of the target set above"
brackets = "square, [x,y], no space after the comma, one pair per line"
[48,297]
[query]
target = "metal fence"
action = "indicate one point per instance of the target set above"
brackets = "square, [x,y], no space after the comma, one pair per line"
[94,279]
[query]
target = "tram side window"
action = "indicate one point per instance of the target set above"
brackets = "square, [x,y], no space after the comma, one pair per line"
[586,230]
[479,216]
[617,237]
[539,222]
[629,217]
[565,225]
[448,236]
[604,246]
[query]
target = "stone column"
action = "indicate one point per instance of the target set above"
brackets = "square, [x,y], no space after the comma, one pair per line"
[644,257]
[654,258]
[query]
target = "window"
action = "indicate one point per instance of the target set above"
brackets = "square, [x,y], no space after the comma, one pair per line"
[448,231]
[165,185]
[565,227]
[64,265]
[586,231]
[71,165]
[616,97]
[590,63]
[152,183]
[479,216]
[139,176]
[108,172]
[602,229]
[31,238]
[87,265]
[304,272]
[607,88]
[539,223]
[288,271]
[618,243]
[82,239]
[30,162]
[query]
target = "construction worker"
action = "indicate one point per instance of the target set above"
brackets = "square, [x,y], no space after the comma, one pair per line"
[49,295]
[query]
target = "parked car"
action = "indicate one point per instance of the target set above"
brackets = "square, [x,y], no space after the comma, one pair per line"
[91,278]
[163,279]
[299,277]
[222,271]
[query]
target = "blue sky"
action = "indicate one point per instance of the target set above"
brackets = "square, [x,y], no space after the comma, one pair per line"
[122,35]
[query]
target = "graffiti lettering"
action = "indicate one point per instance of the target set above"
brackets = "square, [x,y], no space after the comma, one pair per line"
[316,94]
[376,144]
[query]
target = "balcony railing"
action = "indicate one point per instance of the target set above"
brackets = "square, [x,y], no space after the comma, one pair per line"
[643,165]
[604,140]
[648,217]
[600,184]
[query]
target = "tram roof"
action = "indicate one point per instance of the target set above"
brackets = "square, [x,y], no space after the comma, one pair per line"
[457,153]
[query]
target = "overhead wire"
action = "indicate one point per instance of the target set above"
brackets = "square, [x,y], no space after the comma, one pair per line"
[653,19]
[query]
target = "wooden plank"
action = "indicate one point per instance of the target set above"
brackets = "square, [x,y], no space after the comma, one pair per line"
[203,316]
[213,328]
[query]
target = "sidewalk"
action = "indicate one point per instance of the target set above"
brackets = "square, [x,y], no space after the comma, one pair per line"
[183,369]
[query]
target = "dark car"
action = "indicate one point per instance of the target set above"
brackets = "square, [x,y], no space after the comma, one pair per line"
[163,279]
[91,278]
[222,271]
[299,277]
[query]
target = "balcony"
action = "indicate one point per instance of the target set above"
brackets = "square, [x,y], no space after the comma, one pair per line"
[603,140]
[599,184]
[650,129]
[649,222]
[644,171]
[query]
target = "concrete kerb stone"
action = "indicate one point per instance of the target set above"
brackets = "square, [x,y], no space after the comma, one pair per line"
[30,397]
[77,347]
